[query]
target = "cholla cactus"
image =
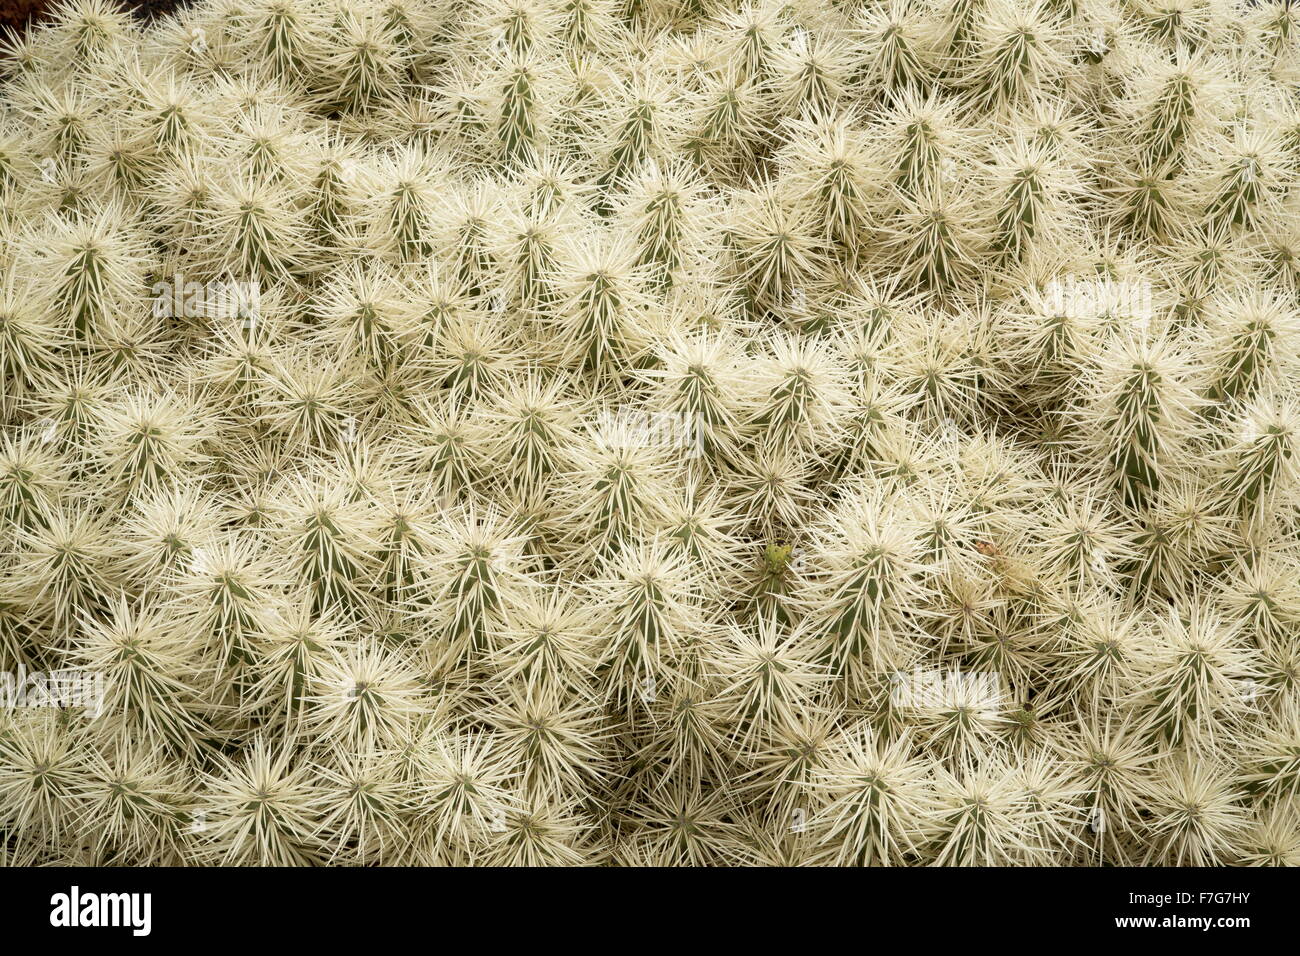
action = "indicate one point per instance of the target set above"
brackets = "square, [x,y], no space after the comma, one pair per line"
[562,432]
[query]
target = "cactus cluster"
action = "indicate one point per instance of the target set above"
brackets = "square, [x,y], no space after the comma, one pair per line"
[651,432]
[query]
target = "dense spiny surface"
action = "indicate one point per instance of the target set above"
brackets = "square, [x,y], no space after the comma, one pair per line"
[651,432]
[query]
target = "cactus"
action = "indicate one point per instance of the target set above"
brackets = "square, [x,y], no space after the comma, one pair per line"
[579,432]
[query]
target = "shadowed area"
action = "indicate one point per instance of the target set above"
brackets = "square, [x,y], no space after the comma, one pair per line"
[17,14]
